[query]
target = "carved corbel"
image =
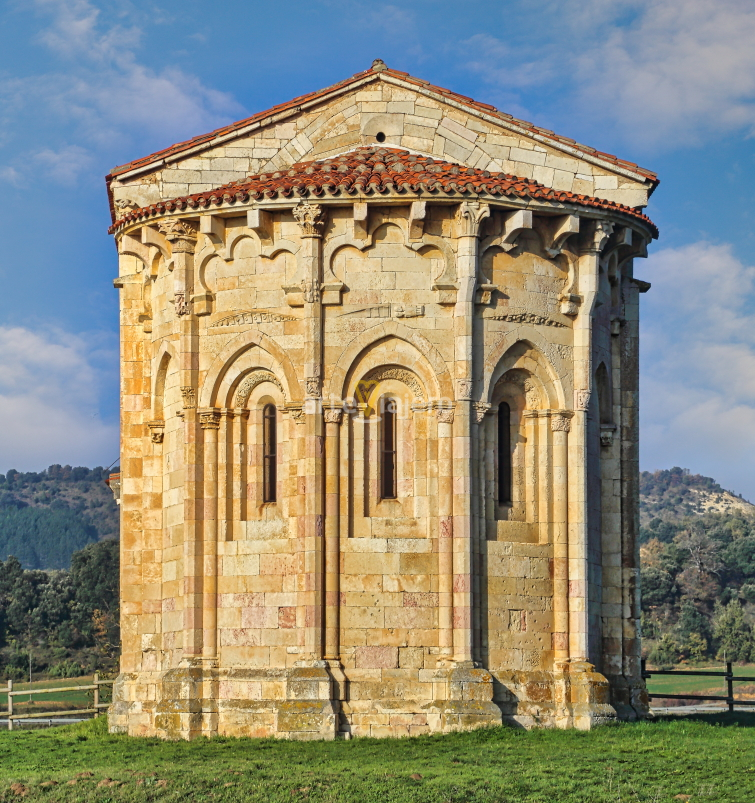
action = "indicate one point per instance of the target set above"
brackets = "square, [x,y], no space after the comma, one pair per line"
[513,225]
[260,222]
[417,220]
[570,303]
[151,236]
[133,247]
[360,220]
[557,231]
[607,432]
[156,430]
[214,227]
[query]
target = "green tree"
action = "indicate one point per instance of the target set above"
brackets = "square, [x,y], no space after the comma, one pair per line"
[95,575]
[733,635]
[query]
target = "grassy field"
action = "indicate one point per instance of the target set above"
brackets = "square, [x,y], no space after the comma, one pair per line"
[667,760]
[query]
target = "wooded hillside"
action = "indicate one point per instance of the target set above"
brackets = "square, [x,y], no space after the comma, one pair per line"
[698,569]
[46,516]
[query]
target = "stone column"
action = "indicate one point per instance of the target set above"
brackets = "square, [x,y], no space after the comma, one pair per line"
[445,534]
[560,426]
[225,473]
[238,476]
[479,476]
[181,234]
[531,464]
[469,217]
[310,220]
[210,422]
[333,417]
[591,244]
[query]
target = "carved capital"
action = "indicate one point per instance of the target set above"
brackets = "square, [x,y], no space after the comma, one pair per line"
[311,291]
[312,386]
[464,388]
[310,219]
[210,418]
[561,420]
[445,415]
[182,305]
[189,397]
[156,430]
[582,399]
[333,415]
[181,234]
[469,216]
[481,409]
[296,411]
[597,237]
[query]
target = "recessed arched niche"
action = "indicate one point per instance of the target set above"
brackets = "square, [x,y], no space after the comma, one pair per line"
[526,275]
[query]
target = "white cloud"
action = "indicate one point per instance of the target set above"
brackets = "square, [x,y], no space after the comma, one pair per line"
[661,72]
[698,373]
[106,93]
[64,165]
[49,392]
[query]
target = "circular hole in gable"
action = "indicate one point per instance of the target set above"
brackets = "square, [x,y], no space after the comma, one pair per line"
[380,136]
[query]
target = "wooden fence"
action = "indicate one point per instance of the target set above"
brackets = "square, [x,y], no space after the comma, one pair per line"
[728,676]
[94,687]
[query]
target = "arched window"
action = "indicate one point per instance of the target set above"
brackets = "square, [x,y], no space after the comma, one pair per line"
[388,450]
[269,453]
[504,454]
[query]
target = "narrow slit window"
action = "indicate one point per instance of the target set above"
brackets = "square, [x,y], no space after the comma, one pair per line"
[388,451]
[504,454]
[269,453]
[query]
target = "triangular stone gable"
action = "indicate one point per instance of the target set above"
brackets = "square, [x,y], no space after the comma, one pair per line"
[379,106]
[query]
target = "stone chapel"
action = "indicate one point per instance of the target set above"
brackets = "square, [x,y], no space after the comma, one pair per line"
[379,394]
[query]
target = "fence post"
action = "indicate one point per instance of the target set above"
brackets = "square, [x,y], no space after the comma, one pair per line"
[10,705]
[96,694]
[729,686]
[643,668]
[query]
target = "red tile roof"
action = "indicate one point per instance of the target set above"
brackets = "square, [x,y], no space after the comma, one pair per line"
[375,171]
[379,71]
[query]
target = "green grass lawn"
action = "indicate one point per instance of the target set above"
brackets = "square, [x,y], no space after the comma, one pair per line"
[709,758]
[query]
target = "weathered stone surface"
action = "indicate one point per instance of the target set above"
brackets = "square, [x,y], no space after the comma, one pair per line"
[478,565]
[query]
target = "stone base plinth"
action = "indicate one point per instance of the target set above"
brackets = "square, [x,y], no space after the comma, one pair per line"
[573,695]
[321,701]
[204,700]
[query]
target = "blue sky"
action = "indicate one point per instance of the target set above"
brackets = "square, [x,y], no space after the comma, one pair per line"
[86,85]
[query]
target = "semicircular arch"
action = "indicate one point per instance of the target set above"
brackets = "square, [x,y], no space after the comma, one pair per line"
[233,350]
[441,384]
[527,349]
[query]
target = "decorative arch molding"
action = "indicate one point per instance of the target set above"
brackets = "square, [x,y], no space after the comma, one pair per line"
[350,355]
[403,375]
[550,364]
[234,349]
[250,382]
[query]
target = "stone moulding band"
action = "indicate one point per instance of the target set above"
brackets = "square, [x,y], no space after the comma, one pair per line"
[250,382]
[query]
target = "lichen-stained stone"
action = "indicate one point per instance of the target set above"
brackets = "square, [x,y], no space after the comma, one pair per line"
[379,422]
